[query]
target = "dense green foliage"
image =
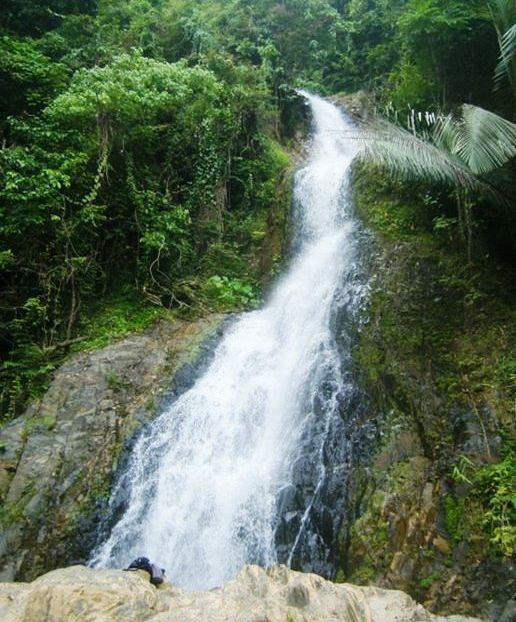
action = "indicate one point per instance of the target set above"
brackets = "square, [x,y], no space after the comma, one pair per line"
[125,176]
[140,158]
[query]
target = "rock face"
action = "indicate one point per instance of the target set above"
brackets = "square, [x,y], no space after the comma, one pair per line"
[256,595]
[418,521]
[57,460]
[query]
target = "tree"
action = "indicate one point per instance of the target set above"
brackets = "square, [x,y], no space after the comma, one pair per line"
[459,151]
[448,50]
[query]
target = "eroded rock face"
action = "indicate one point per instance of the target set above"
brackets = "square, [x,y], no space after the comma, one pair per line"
[256,595]
[57,460]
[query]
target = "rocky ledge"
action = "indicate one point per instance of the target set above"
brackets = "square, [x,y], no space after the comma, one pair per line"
[273,595]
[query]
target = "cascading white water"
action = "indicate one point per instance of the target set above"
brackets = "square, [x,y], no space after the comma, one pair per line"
[205,479]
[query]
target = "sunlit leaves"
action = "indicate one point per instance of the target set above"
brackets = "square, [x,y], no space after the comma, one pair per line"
[135,89]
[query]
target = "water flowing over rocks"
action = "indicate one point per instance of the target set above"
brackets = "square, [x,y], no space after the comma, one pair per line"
[250,465]
[276,594]
[57,460]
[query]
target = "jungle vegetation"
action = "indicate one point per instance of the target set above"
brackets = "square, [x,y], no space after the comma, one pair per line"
[143,143]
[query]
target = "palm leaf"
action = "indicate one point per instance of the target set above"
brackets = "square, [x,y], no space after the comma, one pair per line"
[407,156]
[503,12]
[444,135]
[481,140]
[507,50]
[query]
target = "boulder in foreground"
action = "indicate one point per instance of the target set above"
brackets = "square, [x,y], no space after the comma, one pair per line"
[276,594]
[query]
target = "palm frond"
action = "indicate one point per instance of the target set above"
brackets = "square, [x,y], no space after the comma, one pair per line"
[444,135]
[507,50]
[481,140]
[503,12]
[407,156]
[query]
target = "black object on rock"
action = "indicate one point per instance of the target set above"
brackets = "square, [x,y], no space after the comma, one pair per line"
[143,563]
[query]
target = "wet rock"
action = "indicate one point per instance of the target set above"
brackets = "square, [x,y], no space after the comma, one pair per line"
[57,460]
[11,446]
[256,595]
[398,531]
[509,612]
[442,545]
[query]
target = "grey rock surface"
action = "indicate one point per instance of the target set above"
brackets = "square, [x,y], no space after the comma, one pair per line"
[277,594]
[57,460]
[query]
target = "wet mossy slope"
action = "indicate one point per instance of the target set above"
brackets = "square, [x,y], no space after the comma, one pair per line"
[437,355]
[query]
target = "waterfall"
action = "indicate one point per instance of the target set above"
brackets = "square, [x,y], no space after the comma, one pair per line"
[231,471]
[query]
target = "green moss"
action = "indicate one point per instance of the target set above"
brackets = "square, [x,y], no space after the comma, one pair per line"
[14,511]
[48,421]
[11,513]
[401,476]
[427,582]
[365,574]
[454,516]
[116,317]
[90,489]
[151,406]
[115,382]
[370,548]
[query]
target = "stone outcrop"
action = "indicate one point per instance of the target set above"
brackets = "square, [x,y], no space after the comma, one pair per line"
[256,595]
[58,459]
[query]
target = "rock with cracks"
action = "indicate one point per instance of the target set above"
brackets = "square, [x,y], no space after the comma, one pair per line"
[256,595]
